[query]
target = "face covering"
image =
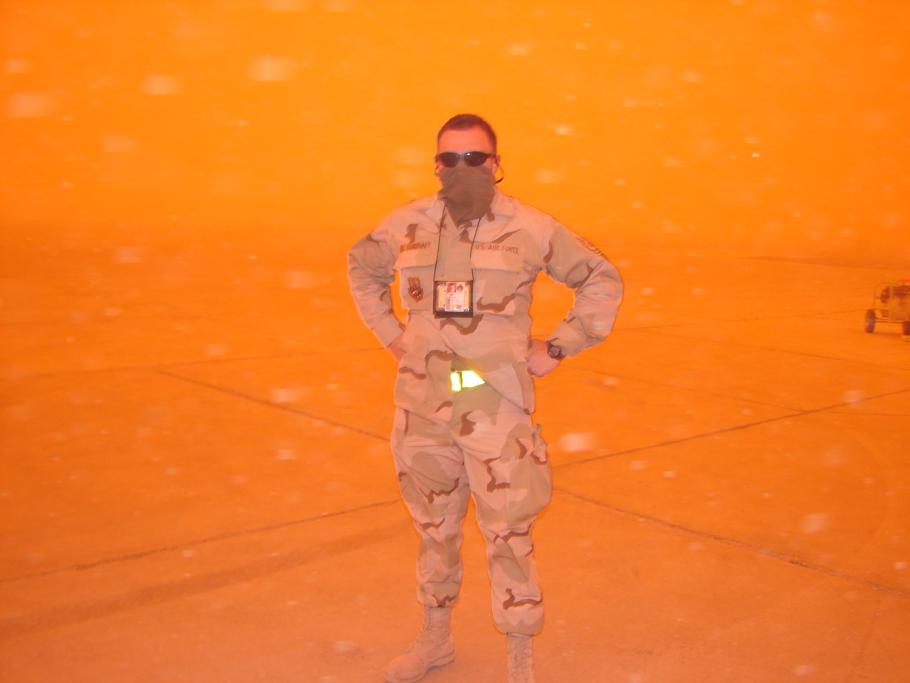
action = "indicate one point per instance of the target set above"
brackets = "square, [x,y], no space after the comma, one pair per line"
[466,190]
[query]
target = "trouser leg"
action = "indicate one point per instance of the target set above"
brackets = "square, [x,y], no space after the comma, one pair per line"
[435,490]
[510,479]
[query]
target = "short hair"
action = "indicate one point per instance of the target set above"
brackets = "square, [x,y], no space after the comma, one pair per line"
[466,122]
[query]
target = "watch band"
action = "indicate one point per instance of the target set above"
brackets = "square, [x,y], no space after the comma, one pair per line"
[554,351]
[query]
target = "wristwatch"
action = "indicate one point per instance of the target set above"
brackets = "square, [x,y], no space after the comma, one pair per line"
[554,351]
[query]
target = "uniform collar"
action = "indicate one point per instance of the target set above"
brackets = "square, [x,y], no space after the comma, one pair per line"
[502,206]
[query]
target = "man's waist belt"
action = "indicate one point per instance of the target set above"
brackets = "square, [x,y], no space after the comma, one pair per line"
[465,379]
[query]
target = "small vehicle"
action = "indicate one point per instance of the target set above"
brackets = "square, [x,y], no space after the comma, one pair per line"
[891,304]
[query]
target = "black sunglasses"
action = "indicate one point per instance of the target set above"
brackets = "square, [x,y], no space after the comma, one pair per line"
[451,159]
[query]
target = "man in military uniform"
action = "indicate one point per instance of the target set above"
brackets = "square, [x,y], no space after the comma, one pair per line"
[466,260]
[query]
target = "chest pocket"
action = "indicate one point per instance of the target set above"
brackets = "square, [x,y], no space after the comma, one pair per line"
[415,276]
[502,285]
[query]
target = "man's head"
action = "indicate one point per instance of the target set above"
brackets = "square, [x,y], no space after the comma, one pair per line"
[466,161]
[466,133]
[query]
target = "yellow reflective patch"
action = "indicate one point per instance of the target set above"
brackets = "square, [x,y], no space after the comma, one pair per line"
[469,378]
[465,379]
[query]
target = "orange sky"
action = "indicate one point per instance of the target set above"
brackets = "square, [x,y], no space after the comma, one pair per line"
[778,126]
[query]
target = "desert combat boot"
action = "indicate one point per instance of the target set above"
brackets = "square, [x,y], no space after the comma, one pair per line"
[520,660]
[433,647]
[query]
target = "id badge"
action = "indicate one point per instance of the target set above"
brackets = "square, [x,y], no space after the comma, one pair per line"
[453,299]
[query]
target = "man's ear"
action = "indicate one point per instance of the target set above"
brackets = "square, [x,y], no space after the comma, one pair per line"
[498,167]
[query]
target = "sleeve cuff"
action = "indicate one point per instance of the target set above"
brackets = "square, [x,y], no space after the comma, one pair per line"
[570,340]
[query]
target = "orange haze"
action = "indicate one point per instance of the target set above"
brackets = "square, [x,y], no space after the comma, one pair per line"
[768,125]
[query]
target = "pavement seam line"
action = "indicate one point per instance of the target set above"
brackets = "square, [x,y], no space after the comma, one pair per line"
[138,555]
[633,328]
[694,437]
[765,552]
[775,350]
[694,390]
[100,321]
[127,599]
[861,651]
[857,413]
[270,404]
[272,356]
[182,364]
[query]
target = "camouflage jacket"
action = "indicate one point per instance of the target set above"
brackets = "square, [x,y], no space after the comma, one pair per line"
[508,248]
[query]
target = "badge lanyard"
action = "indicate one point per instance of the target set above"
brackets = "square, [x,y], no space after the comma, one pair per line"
[453,298]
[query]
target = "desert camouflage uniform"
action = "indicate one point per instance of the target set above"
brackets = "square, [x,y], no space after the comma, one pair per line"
[480,441]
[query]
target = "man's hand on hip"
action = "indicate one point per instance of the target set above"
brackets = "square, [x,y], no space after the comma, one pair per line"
[539,361]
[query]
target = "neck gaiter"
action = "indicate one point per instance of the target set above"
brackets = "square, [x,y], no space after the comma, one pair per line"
[467,191]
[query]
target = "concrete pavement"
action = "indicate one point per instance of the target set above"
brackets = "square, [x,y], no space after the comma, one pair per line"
[196,483]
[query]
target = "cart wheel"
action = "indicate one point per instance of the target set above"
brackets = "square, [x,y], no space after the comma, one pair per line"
[869,324]
[906,327]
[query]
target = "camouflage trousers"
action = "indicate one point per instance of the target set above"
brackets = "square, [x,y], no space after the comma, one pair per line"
[492,451]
